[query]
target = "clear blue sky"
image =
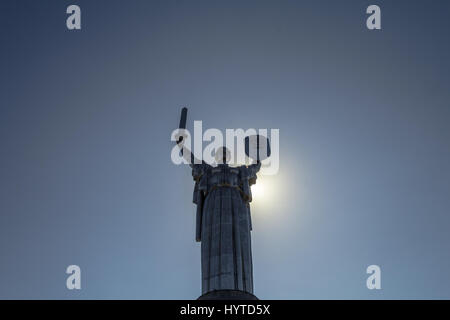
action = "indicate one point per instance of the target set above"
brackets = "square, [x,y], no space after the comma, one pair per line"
[85,123]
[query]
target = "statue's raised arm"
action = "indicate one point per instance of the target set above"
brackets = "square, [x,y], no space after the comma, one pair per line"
[253,169]
[185,152]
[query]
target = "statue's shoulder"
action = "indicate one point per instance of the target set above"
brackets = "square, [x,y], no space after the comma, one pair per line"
[242,170]
[198,170]
[251,170]
[245,167]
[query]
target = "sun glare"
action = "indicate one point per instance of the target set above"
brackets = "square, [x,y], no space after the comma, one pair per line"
[257,191]
[265,193]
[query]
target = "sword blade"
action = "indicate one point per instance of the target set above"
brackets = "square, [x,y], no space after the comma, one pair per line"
[183,118]
[182,124]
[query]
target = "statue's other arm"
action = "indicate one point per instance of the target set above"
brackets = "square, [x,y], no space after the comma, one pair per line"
[252,171]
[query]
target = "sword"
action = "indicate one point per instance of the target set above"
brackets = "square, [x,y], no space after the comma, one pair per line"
[182,125]
[182,122]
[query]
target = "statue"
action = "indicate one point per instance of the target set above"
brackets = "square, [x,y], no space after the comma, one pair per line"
[222,194]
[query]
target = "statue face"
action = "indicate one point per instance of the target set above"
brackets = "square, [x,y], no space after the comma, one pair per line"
[222,155]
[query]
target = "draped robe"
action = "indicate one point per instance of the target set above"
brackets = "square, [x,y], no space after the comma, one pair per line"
[222,195]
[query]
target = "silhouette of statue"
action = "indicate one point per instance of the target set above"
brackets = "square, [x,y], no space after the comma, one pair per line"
[223,195]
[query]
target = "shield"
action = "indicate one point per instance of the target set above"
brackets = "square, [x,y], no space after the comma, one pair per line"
[257,147]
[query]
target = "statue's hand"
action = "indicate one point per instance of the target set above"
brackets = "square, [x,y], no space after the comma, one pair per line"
[180,137]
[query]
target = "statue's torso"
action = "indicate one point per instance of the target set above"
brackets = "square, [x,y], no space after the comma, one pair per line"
[222,195]
[223,176]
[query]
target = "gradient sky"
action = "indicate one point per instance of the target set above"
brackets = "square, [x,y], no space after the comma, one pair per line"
[85,122]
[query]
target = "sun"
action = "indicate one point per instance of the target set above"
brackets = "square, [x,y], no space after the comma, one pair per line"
[258,191]
[265,193]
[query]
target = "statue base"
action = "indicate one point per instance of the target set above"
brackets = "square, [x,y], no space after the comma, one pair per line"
[227,295]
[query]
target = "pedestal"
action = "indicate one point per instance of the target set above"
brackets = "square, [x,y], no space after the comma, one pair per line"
[227,295]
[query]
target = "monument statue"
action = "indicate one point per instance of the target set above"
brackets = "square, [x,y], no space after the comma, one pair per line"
[222,194]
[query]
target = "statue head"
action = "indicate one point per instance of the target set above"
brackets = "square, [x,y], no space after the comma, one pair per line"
[222,155]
